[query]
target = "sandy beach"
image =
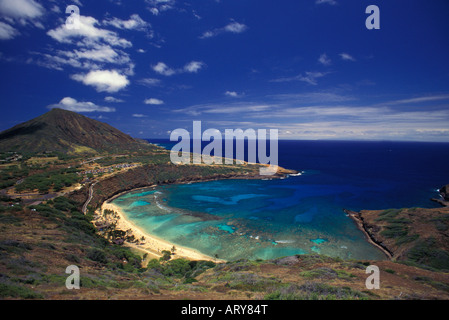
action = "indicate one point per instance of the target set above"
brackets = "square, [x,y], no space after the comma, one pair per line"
[152,244]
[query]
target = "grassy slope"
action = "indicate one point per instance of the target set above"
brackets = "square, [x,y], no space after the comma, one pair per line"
[416,236]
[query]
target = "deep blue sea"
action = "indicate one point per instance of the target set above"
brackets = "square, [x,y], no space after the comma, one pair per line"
[297,215]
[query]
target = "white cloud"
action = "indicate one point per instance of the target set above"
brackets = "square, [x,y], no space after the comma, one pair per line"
[149,82]
[309,77]
[77,2]
[92,58]
[135,22]
[139,115]
[230,108]
[331,2]
[312,97]
[158,6]
[95,50]
[233,94]
[88,33]
[113,99]
[71,104]
[100,53]
[324,60]
[233,27]
[60,60]
[208,34]
[329,115]
[163,69]
[421,99]
[154,11]
[103,80]
[7,32]
[153,101]
[55,9]
[193,66]
[21,9]
[347,57]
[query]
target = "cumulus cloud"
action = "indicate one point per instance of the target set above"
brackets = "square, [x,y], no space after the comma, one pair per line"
[135,22]
[72,104]
[235,27]
[88,32]
[98,53]
[21,9]
[232,27]
[193,67]
[98,50]
[165,70]
[7,32]
[158,6]
[96,57]
[103,80]
[153,101]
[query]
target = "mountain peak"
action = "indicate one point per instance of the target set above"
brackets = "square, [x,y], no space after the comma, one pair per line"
[68,132]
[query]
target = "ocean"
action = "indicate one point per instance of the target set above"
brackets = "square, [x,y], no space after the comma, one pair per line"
[271,218]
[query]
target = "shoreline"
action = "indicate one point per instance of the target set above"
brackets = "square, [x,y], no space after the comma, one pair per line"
[152,244]
[358,220]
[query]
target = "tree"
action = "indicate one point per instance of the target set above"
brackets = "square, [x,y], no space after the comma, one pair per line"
[166,255]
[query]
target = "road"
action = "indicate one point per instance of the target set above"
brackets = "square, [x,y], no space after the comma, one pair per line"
[91,194]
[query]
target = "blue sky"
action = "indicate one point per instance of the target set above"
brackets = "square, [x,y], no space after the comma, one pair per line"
[309,68]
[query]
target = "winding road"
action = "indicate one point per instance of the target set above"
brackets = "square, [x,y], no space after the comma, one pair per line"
[91,194]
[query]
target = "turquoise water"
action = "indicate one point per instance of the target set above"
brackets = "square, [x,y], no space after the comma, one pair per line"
[246,219]
[303,214]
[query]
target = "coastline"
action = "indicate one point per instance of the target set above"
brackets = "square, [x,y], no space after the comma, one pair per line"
[358,220]
[152,244]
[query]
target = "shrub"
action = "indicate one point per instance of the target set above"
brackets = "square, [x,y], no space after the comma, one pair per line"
[176,268]
[15,291]
[395,230]
[134,261]
[97,255]
[73,258]
[425,253]
[407,239]
[320,273]
[315,291]
[9,219]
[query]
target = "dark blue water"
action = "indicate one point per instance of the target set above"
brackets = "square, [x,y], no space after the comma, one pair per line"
[303,214]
